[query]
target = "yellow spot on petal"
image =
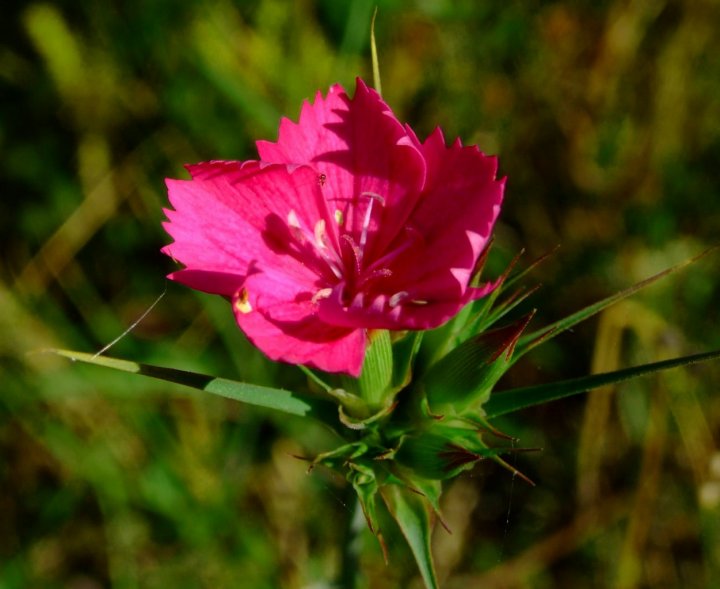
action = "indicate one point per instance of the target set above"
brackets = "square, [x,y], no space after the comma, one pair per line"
[339,219]
[242,304]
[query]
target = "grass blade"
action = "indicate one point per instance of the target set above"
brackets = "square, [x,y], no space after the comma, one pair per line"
[374,55]
[529,341]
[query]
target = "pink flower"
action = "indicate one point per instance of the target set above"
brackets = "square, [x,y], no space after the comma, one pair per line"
[347,223]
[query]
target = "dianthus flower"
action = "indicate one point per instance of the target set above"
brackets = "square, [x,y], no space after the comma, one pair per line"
[347,223]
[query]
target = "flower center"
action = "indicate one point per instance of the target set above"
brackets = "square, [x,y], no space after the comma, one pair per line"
[347,265]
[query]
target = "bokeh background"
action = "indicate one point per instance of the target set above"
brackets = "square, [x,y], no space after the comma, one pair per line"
[606,119]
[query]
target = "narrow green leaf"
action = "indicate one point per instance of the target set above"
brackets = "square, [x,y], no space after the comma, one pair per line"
[529,341]
[517,276]
[412,515]
[501,309]
[315,378]
[260,396]
[504,402]
[374,55]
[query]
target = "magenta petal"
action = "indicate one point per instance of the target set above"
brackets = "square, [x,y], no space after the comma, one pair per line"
[380,313]
[287,328]
[455,217]
[235,221]
[221,283]
[347,223]
[362,152]
[337,351]
[429,273]
[302,142]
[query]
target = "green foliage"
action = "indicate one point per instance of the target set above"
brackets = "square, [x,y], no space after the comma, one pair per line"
[603,120]
[400,452]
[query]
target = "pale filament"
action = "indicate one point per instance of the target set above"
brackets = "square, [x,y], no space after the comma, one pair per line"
[368,216]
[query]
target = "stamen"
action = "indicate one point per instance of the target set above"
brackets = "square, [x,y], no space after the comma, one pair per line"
[335,270]
[339,218]
[374,196]
[374,275]
[397,298]
[334,265]
[242,303]
[292,220]
[356,252]
[326,250]
[320,233]
[295,227]
[323,293]
[368,215]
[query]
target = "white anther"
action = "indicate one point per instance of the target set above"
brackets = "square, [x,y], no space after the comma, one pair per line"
[292,220]
[320,233]
[374,196]
[323,293]
[295,227]
[397,298]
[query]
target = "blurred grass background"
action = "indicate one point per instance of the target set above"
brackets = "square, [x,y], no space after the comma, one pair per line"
[606,119]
